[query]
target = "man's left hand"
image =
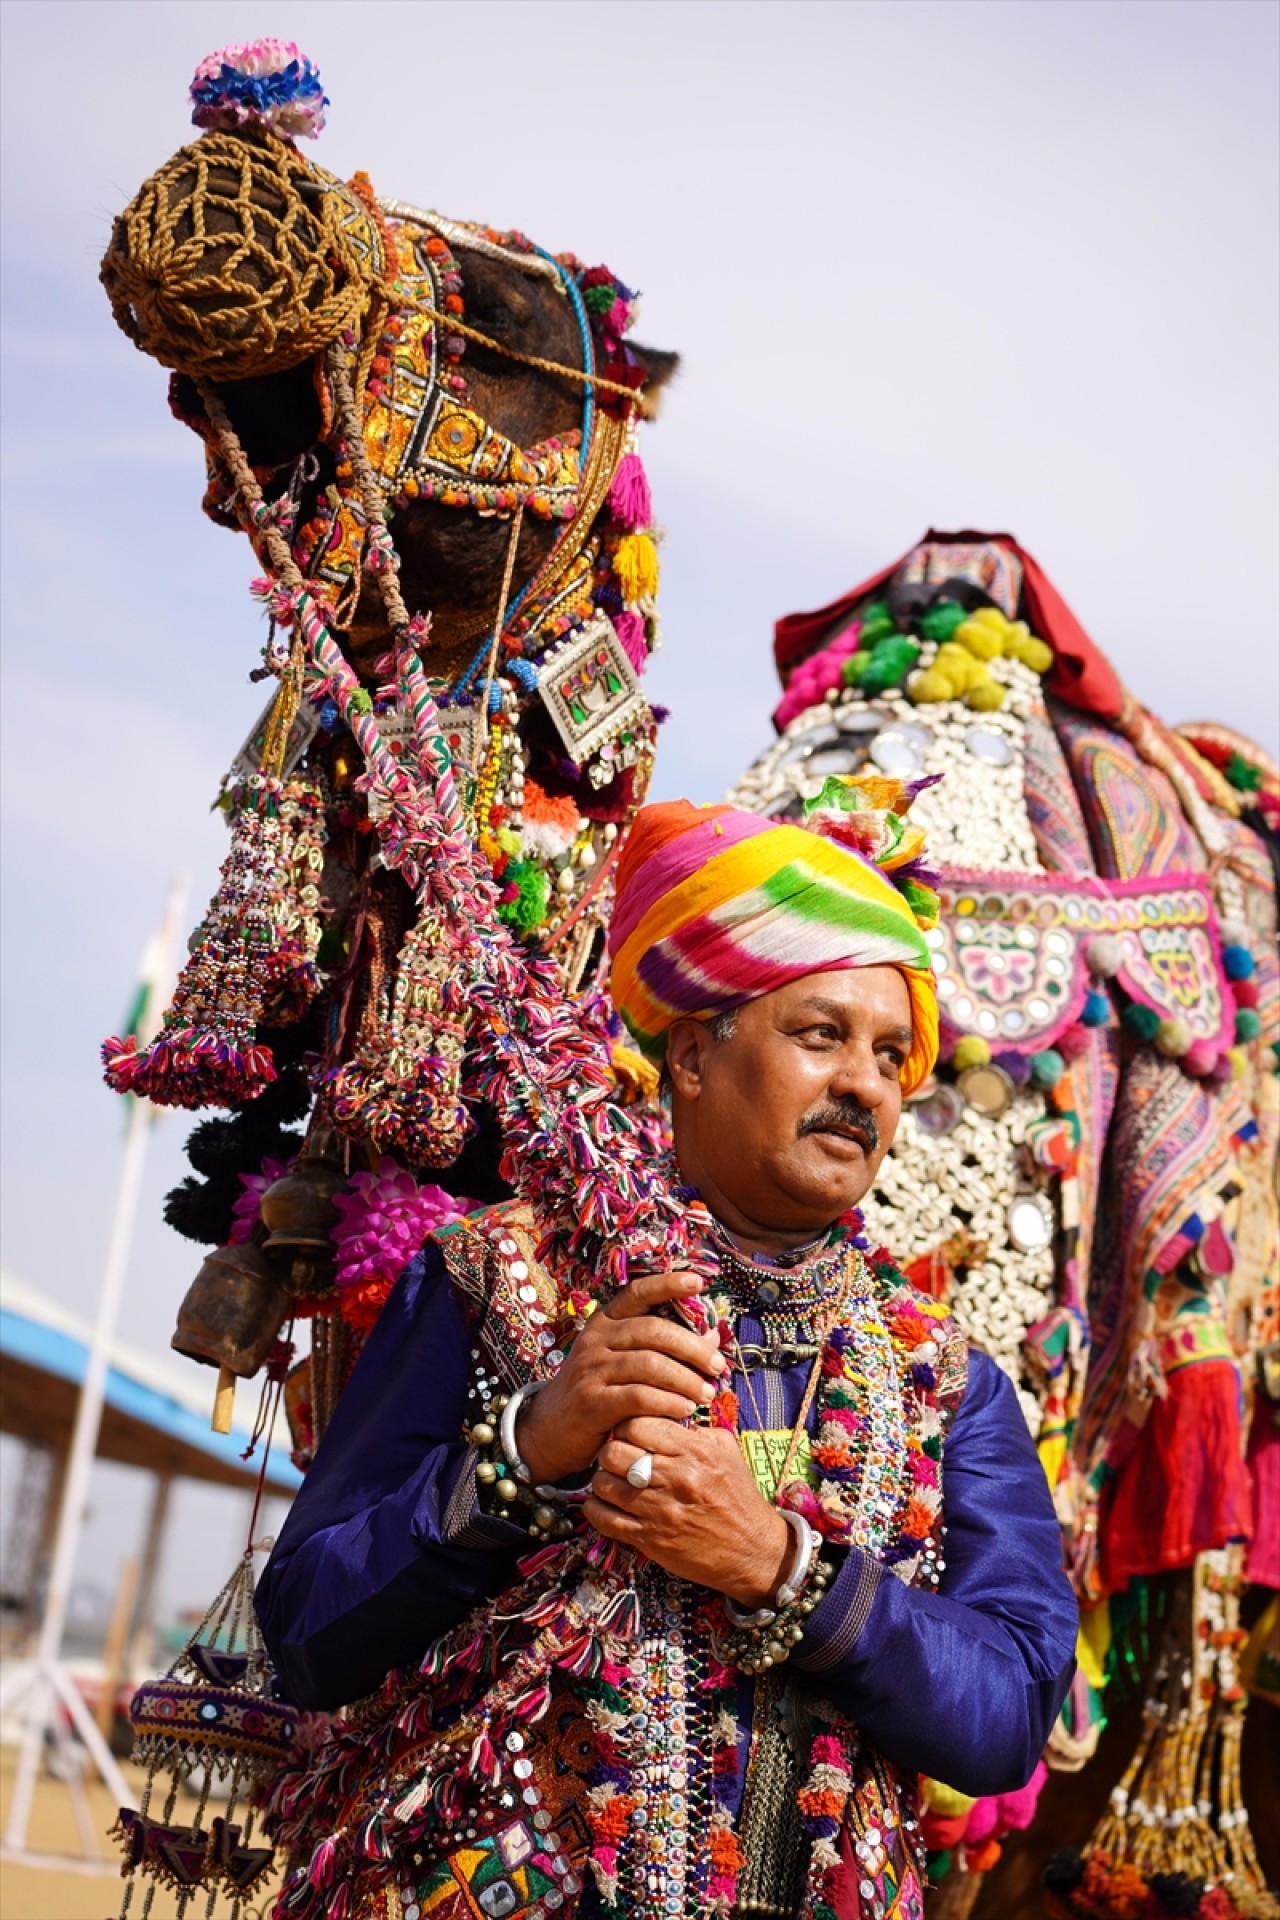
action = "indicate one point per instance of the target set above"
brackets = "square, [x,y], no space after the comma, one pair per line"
[702,1517]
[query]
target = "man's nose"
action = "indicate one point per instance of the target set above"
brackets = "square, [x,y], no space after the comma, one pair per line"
[857,1074]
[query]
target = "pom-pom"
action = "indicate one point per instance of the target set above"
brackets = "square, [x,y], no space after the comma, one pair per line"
[1172,1038]
[1015,1064]
[1237,962]
[1246,993]
[939,622]
[1063,1871]
[630,502]
[1074,1042]
[888,663]
[1234,933]
[1103,955]
[1142,1022]
[984,641]
[1096,1010]
[1238,1060]
[1200,1059]
[985,696]
[1222,1073]
[1047,1068]
[262,83]
[1248,1024]
[1177,1893]
[971,1051]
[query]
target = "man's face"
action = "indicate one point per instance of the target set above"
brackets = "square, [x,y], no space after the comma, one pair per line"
[789,1118]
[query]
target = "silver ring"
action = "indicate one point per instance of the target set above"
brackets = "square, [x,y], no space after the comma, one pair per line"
[640,1472]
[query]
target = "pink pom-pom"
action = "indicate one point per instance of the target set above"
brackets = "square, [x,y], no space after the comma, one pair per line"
[1200,1059]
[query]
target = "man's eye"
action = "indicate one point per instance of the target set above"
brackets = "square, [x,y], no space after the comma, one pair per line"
[823,1034]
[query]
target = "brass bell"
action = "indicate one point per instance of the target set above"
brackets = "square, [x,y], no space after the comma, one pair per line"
[297,1210]
[233,1310]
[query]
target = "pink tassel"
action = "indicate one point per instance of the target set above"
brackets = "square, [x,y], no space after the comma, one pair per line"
[629,628]
[630,502]
[320,1871]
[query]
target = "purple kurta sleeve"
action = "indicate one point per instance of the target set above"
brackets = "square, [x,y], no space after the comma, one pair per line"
[963,1684]
[385,1548]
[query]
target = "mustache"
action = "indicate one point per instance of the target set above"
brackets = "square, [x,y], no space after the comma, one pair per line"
[848,1113]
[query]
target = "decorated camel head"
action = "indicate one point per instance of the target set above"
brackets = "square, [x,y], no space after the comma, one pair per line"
[1089,1179]
[428,430]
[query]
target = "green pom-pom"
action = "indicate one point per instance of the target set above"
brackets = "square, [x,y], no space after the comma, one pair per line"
[599,300]
[1275,1048]
[1047,1068]
[890,662]
[854,668]
[1243,777]
[938,1866]
[940,621]
[1248,1024]
[1142,1022]
[361,701]
[526,913]
[877,623]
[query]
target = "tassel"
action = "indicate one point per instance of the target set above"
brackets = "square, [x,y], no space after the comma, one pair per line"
[1184,1488]
[636,565]
[629,628]
[630,502]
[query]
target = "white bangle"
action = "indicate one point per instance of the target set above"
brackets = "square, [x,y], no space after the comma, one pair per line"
[797,1573]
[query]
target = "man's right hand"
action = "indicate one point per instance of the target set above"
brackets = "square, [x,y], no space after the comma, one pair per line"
[627,1363]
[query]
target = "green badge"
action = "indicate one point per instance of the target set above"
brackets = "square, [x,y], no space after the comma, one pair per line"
[766,1454]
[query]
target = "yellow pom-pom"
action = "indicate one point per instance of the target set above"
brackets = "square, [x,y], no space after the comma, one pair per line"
[1036,654]
[984,696]
[980,637]
[946,1801]
[1173,1038]
[928,685]
[636,564]
[989,617]
[1239,1059]
[971,1051]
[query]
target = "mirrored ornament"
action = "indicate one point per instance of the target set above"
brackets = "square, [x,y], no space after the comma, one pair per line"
[1030,1218]
[988,1089]
[986,744]
[894,754]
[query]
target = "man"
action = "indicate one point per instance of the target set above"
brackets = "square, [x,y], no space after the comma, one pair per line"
[745,1735]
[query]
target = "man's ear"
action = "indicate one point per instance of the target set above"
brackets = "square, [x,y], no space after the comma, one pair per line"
[686,1051]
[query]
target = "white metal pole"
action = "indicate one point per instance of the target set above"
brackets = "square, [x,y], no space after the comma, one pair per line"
[84,1444]
[44,1693]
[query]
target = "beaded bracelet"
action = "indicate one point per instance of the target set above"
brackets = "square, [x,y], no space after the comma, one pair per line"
[502,1484]
[755,1648]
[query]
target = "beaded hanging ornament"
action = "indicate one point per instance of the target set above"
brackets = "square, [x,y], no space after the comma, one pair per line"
[253,957]
[214,1725]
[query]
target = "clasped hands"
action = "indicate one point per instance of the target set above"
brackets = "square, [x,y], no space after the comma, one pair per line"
[629,1381]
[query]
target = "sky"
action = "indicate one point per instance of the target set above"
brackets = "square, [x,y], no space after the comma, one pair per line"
[1008,264]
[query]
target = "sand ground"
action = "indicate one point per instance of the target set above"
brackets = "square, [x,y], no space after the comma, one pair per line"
[70,1888]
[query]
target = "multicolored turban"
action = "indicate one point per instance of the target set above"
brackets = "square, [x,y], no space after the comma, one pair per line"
[716,906]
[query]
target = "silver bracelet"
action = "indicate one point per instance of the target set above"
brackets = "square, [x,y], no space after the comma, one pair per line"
[507,1431]
[558,1496]
[797,1573]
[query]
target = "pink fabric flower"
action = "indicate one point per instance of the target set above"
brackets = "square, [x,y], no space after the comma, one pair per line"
[383,1221]
[244,1214]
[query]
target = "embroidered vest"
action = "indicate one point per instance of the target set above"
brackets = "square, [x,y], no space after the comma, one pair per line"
[583,1724]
